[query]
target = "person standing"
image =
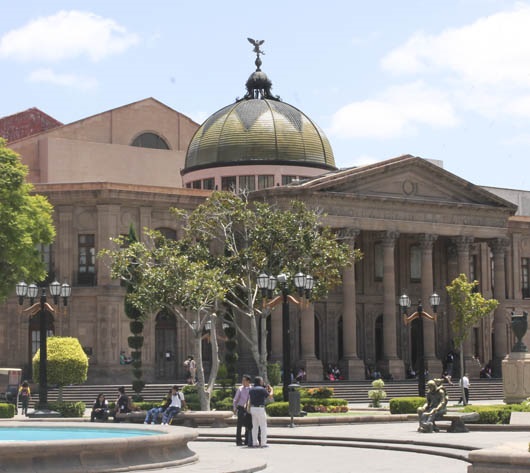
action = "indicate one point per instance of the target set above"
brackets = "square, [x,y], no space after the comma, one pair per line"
[464,382]
[257,395]
[177,403]
[191,369]
[24,394]
[240,402]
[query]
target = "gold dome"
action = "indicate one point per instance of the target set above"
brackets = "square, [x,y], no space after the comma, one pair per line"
[259,129]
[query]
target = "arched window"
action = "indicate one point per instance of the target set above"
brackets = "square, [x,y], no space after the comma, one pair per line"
[150,140]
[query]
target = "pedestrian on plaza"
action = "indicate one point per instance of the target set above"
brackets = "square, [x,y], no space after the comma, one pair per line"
[258,395]
[177,404]
[100,409]
[24,394]
[152,414]
[244,419]
[464,382]
[191,369]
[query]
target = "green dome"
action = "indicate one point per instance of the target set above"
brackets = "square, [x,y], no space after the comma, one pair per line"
[259,129]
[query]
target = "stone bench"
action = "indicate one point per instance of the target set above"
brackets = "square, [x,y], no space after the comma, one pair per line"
[458,420]
[186,418]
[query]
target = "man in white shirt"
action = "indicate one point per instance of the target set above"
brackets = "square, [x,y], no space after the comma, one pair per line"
[464,382]
[177,403]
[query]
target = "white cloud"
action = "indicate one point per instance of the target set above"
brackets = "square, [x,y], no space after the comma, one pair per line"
[396,112]
[494,50]
[68,80]
[66,35]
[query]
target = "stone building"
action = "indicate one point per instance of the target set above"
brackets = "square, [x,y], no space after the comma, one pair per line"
[418,226]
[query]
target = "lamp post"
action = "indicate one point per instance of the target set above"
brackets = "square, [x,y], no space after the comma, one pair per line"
[404,303]
[43,309]
[304,284]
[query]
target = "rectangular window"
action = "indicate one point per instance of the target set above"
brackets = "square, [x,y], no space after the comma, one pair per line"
[228,183]
[287,180]
[525,283]
[208,184]
[196,184]
[473,267]
[415,263]
[247,183]
[46,256]
[86,259]
[265,181]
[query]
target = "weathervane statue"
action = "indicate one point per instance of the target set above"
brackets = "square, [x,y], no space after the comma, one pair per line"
[257,43]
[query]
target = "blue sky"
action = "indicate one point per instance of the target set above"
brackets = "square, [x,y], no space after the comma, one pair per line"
[446,80]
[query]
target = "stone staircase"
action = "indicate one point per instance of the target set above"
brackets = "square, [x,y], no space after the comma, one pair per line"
[353,391]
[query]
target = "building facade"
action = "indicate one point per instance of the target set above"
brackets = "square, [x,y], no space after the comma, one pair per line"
[418,226]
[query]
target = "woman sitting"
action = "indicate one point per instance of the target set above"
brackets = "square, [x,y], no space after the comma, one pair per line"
[100,409]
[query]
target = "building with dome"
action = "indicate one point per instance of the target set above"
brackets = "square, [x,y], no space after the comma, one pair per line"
[418,226]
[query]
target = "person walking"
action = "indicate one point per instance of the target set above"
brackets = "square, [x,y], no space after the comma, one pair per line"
[24,394]
[258,395]
[191,370]
[464,382]
[244,418]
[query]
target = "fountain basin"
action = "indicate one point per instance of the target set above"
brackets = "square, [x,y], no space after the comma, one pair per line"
[160,447]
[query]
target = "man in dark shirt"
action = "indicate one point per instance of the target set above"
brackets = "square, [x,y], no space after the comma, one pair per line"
[258,394]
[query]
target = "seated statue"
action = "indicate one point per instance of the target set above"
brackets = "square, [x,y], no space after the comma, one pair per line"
[434,407]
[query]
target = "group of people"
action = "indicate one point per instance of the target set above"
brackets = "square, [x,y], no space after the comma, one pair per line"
[333,373]
[249,406]
[191,370]
[172,404]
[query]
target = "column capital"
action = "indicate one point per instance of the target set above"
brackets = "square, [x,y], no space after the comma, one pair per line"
[499,245]
[389,238]
[462,243]
[427,240]
[348,235]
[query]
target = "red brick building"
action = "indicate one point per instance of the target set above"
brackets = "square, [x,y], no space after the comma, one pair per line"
[26,123]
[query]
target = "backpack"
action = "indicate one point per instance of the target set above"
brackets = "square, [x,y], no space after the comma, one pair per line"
[24,392]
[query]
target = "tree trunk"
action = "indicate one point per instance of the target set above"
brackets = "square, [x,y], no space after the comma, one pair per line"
[462,392]
[204,396]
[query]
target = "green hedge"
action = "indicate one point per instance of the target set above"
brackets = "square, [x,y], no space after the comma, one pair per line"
[493,414]
[277,409]
[68,409]
[7,411]
[406,405]
[281,409]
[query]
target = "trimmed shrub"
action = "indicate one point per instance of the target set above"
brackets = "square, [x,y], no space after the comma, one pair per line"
[323,405]
[377,394]
[223,405]
[274,373]
[68,409]
[67,362]
[406,405]
[321,393]
[278,409]
[7,411]
[136,327]
[135,341]
[492,414]
[138,385]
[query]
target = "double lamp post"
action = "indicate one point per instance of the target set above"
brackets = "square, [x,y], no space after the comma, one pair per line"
[404,303]
[304,284]
[44,310]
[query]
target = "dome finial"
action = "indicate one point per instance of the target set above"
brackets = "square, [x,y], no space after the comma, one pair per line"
[257,43]
[258,84]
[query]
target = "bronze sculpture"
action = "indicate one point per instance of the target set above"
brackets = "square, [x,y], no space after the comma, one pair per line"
[434,408]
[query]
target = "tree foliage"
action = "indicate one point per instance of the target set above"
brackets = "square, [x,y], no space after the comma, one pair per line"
[25,222]
[67,363]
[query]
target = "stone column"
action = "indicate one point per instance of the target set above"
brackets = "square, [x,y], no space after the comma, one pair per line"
[427,288]
[312,365]
[394,365]
[500,323]
[352,366]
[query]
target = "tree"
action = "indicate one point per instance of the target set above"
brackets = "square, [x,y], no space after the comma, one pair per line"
[470,306]
[176,278]
[67,363]
[248,237]
[25,222]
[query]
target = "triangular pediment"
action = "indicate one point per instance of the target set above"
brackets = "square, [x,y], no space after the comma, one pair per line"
[406,178]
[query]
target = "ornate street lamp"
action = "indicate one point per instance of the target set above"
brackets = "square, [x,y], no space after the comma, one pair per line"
[404,303]
[43,309]
[267,284]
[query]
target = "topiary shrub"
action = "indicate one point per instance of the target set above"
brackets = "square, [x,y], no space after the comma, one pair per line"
[491,414]
[7,411]
[136,327]
[406,405]
[135,341]
[377,394]
[321,393]
[274,373]
[322,405]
